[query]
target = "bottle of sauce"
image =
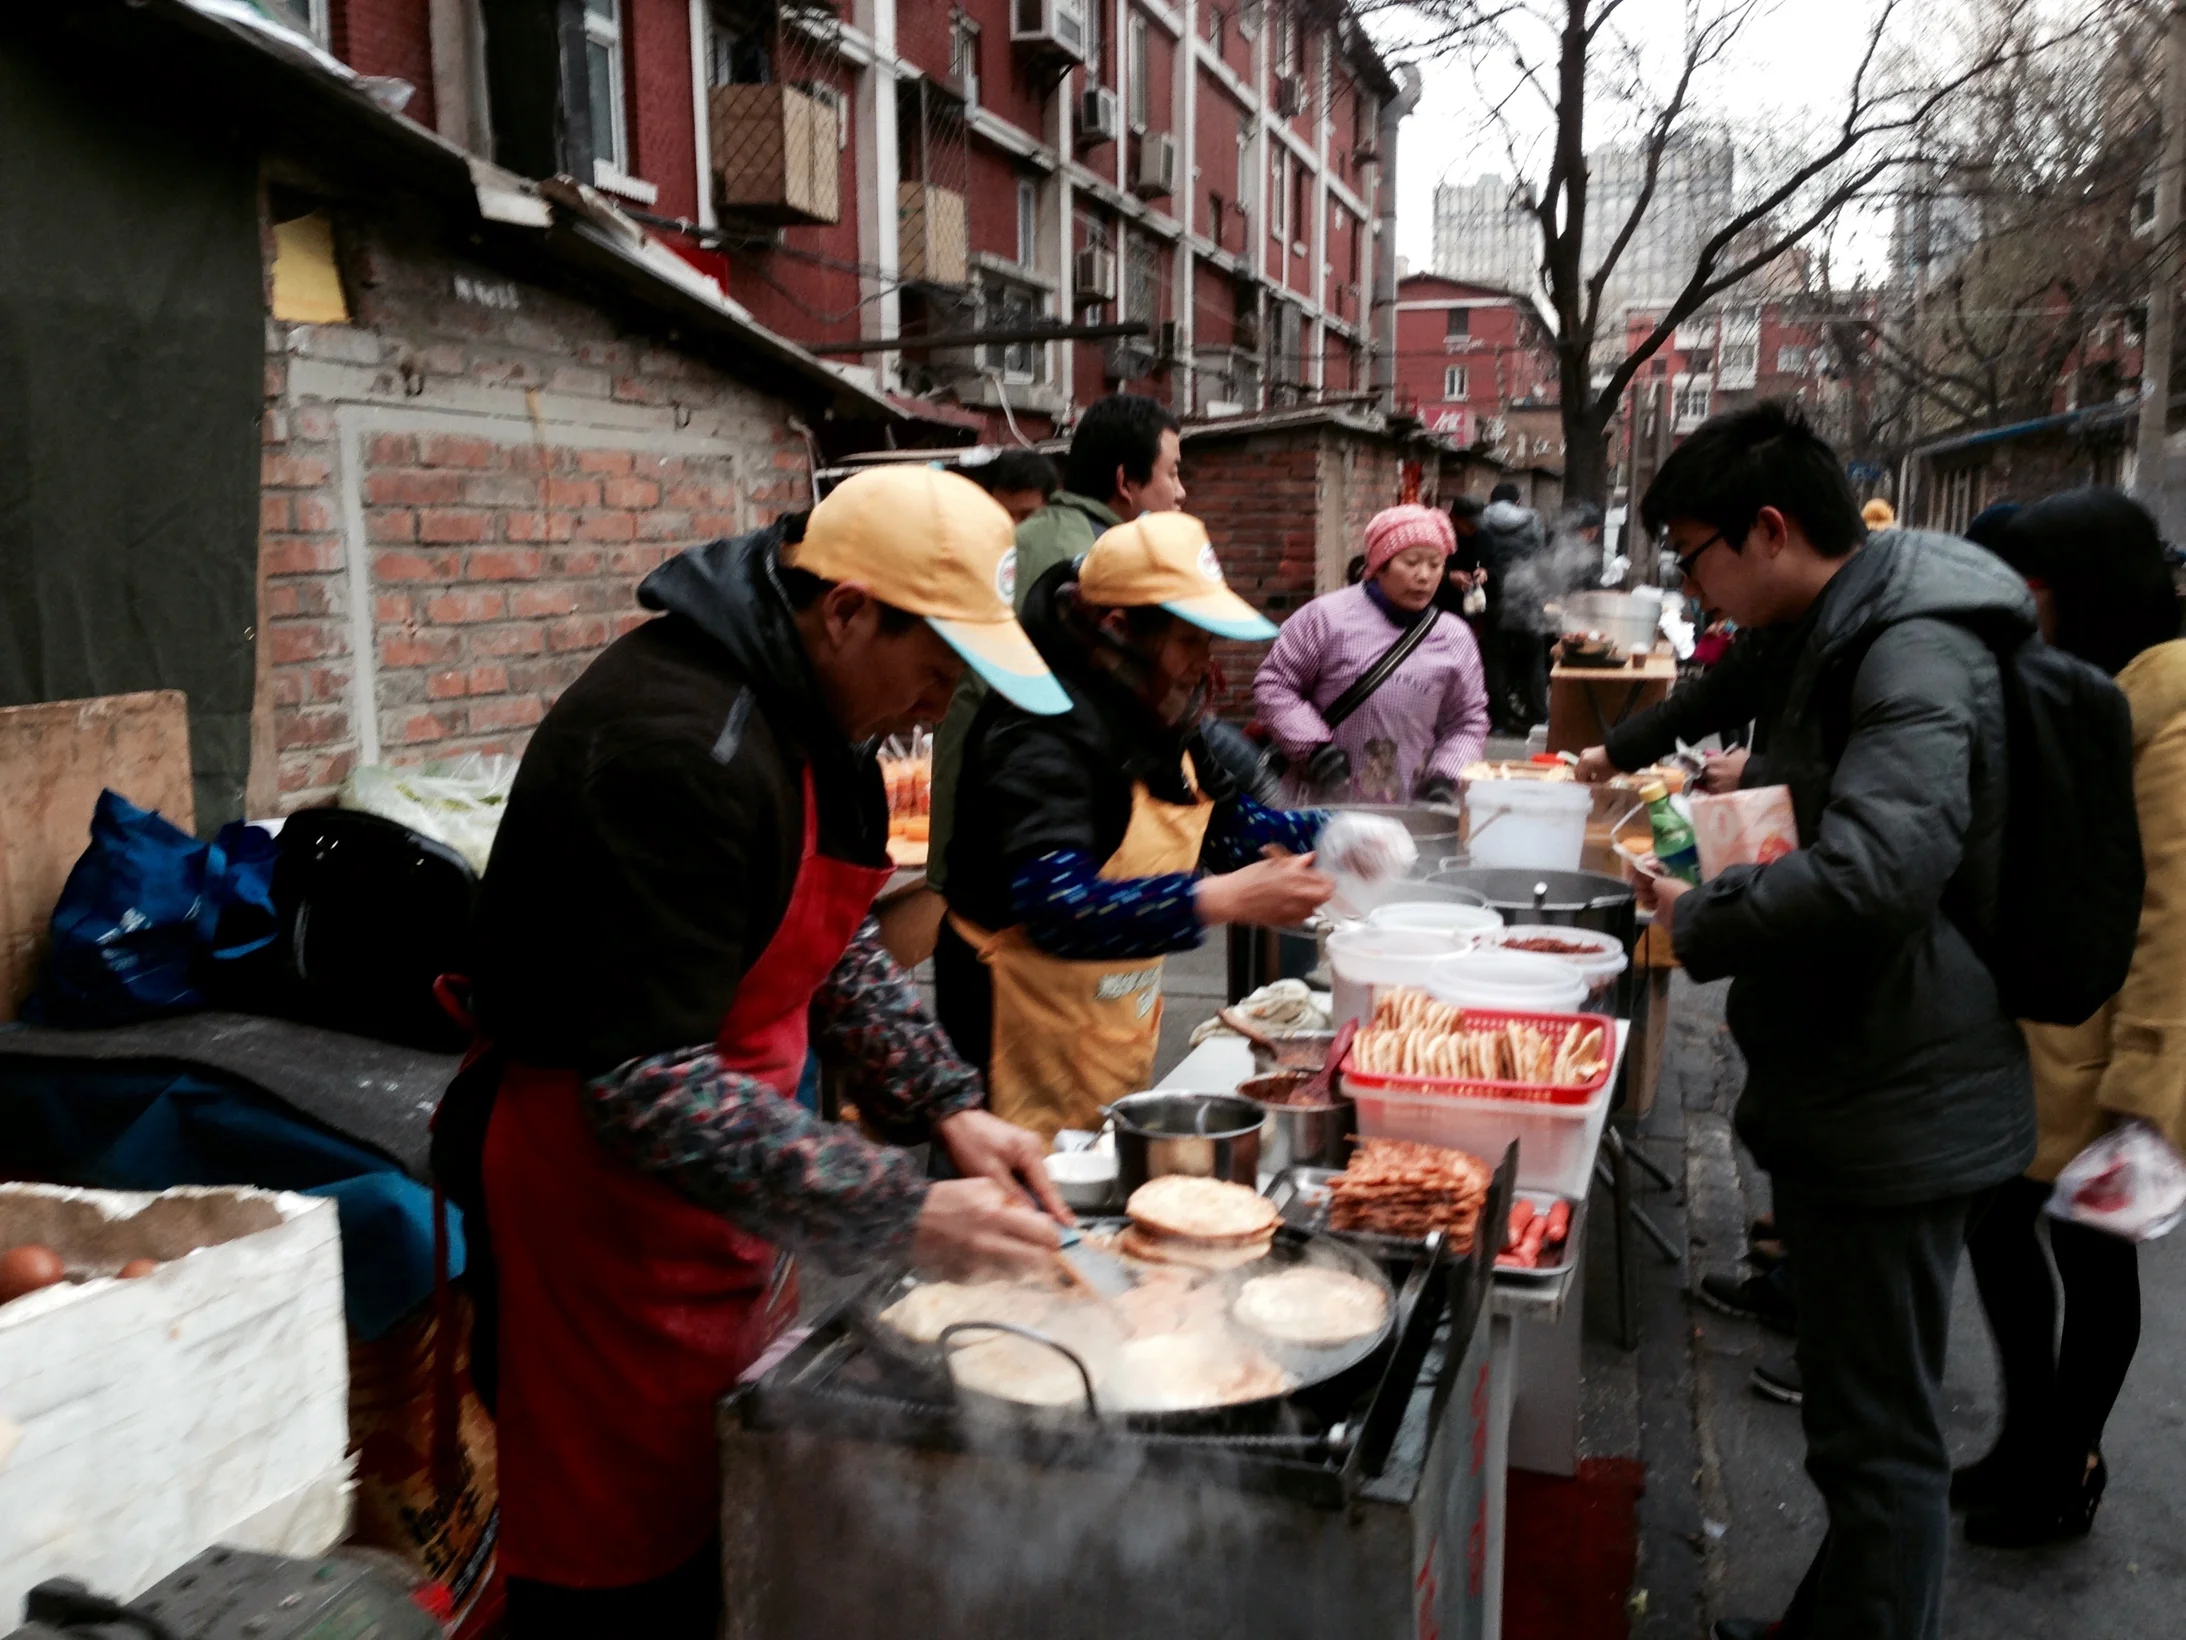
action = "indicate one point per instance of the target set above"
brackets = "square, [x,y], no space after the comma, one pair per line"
[1675,845]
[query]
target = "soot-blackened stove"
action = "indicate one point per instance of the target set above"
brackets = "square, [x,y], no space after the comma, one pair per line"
[856,1503]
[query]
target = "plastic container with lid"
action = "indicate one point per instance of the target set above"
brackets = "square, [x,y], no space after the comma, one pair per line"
[1468,923]
[1539,824]
[1515,981]
[1598,958]
[1365,960]
[1552,1149]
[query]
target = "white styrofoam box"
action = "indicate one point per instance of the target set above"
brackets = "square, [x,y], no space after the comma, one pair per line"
[143,1421]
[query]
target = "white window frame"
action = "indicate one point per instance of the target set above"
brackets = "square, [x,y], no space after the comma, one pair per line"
[606,30]
[1136,66]
[1216,22]
[306,17]
[1287,53]
[1028,222]
[964,56]
[1456,384]
[1793,359]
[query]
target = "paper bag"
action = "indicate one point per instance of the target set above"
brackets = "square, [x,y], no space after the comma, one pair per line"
[1746,828]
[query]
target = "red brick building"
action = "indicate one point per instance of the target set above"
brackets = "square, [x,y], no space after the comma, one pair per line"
[1476,365]
[899,168]
[1718,359]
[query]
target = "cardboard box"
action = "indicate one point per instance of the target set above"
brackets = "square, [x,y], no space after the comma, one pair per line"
[144,1421]
[777,153]
[933,234]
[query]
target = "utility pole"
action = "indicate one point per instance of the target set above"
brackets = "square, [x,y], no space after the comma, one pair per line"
[2152,467]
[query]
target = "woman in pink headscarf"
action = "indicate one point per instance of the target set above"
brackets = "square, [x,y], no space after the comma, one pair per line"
[1428,717]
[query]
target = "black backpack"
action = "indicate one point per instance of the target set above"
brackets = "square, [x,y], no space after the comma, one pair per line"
[2070,898]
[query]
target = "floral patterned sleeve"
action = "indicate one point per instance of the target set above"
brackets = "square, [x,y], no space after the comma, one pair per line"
[735,1146]
[876,1033]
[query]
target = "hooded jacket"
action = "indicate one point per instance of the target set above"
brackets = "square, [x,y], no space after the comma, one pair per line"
[1881,1067]
[653,833]
[1510,537]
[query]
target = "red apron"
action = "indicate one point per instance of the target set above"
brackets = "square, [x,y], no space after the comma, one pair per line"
[627,1312]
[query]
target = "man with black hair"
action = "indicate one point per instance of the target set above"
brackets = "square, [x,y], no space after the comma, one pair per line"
[1512,544]
[1023,481]
[1887,1091]
[1123,462]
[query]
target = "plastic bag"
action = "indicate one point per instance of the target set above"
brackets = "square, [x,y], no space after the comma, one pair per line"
[2130,1183]
[146,910]
[1743,828]
[1369,848]
[458,802]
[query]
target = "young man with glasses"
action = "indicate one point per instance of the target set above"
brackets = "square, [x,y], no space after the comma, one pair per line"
[1887,1090]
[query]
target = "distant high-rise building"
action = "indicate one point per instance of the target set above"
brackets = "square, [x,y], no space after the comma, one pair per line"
[1485,230]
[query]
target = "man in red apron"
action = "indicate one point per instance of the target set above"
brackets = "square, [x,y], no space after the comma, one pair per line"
[676,905]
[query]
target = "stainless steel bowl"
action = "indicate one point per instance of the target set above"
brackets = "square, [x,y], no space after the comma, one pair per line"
[1205,1135]
[1301,1135]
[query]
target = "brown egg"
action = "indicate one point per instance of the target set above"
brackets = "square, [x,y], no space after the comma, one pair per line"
[27,1268]
[138,1267]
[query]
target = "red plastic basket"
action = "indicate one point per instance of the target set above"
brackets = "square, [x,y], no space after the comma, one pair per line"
[1556,1026]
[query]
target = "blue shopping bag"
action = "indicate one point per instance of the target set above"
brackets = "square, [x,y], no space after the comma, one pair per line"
[146,908]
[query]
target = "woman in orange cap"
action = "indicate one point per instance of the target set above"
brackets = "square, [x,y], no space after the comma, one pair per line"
[1081,839]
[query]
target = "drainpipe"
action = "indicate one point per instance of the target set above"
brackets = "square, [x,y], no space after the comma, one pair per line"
[1385,233]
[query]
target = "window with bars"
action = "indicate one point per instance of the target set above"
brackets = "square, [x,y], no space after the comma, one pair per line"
[1141,89]
[1003,303]
[603,88]
[1142,281]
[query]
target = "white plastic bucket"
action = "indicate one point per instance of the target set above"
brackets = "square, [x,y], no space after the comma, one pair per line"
[1469,924]
[1515,981]
[1599,964]
[1536,824]
[1365,960]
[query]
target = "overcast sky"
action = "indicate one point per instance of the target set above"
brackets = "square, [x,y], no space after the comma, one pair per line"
[1790,65]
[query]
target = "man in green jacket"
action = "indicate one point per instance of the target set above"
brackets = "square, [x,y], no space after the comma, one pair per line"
[1123,461]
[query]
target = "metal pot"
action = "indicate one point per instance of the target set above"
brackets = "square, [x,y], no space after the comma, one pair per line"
[1301,1135]
[1206,1135]
[1627,619]
[1261,956]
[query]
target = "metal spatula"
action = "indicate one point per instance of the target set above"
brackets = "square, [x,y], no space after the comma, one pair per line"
[1098,1268]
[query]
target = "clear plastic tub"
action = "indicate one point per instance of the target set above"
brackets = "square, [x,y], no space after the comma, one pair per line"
[1514,981]
[1365,960]
[1599,963]
[1551,1138]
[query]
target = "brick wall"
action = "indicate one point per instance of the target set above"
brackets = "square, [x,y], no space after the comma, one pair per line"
[1259,496]
[460,493]
[392,37]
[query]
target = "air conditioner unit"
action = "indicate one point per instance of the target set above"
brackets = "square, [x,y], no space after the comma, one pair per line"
[1290,94]
[1100,116]
[1157,166]
[1093,277]
[1045,28]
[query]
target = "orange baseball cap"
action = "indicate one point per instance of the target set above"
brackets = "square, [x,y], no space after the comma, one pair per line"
[1165,558]
[937,546]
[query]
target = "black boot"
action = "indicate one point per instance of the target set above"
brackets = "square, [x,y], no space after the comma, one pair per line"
[2054,1513]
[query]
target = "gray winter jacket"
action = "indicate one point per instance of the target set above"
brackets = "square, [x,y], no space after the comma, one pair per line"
[1511,544]
[1881,1067]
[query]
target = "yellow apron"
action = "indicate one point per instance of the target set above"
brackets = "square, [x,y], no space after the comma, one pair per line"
[1070,1037]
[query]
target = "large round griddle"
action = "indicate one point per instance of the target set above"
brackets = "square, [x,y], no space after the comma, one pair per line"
[1309,1366]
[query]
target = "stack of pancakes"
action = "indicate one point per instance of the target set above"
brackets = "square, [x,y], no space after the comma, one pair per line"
[1204,1224]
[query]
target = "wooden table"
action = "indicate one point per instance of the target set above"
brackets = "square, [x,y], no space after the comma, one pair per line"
[1586,702]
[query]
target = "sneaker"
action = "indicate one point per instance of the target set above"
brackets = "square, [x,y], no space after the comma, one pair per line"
[1751,1298]
[1778,1379]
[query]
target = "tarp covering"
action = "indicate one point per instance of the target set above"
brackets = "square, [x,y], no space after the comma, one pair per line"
[132,359]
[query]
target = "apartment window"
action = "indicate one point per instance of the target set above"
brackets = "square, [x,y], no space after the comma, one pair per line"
[603,87]
[1456,384]
[1141,91]
[1005,304]
[1028,221]
[964,57]
[1286,40]
[309,17]
[1791,360]
[1248,18]
[1301,208]
[739,47]
[1691,403]
[1216,29]
[1457,322]
[1279,193]
[1142,281]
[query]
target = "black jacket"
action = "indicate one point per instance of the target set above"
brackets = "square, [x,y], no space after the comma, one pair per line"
[1881,1067]
[1033,785]
[1746,686]
[653,834]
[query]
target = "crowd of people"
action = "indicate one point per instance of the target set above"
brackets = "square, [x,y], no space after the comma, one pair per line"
[675,917]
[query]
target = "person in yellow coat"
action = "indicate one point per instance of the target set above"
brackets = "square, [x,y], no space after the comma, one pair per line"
[2103,592]
[1081,839]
